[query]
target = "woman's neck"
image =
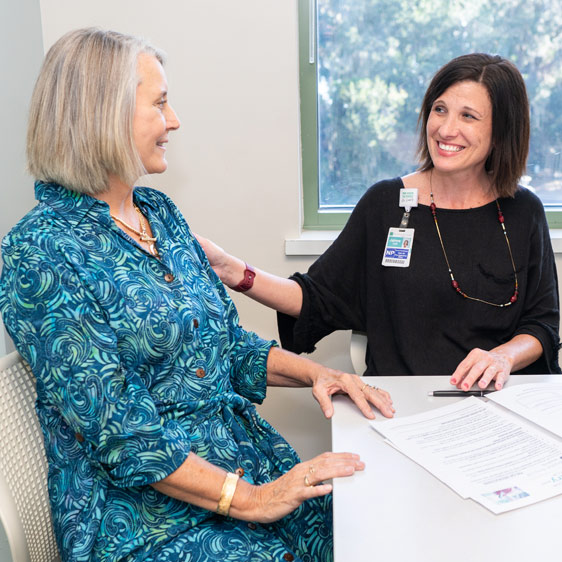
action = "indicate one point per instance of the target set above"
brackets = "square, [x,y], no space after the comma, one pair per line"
[119,197]
[458,191]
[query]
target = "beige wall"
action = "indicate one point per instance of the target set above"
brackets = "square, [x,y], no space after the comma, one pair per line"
[235,163]
[20,41]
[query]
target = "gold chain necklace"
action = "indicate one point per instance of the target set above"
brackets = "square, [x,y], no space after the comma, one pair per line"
[454,282]
[142,233]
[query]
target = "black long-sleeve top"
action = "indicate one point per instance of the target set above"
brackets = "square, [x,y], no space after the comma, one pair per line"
[415,321]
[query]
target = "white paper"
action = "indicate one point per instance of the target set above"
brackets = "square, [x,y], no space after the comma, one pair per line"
[482,452]
[539,402]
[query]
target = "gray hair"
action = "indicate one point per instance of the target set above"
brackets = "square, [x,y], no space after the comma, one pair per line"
[81,116]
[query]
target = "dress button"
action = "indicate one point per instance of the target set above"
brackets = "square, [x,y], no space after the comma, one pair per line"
[195,323]
[169,277]
[239,471]
[288,557]
[200,373]
[79,437]
[252,526]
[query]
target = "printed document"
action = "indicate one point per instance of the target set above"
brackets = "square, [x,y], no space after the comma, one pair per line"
[485,452]
[539,402]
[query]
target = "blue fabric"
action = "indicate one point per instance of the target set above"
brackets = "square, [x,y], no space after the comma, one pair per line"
[134,370]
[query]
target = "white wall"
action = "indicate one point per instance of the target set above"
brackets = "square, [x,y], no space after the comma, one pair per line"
[21,45]
[22,48]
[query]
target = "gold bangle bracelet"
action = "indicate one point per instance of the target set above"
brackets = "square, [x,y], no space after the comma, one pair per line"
[227,493]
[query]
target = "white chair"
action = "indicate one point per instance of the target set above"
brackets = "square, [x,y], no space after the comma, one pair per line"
[24,503]
[358,351]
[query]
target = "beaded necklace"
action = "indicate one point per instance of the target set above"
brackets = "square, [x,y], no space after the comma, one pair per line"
[454,282]
[142,233]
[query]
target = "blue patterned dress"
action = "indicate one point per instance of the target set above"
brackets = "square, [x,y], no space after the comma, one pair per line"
[138,362]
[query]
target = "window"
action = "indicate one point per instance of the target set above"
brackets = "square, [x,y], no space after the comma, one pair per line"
[365,65]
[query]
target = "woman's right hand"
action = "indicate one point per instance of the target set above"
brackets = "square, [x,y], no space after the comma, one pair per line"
[272,501]
[229,269]
[199,482]
[275,292]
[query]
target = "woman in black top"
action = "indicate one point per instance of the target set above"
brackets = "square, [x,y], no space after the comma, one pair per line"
[479,295]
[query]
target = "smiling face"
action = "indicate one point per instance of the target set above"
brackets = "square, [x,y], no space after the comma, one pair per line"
[459,128]
[153,117]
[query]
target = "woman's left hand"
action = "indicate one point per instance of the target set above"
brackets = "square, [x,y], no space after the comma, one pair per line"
[330,382]
[287,369]
[484,367]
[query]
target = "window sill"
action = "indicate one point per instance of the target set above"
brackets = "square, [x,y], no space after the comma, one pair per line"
[316,242]
[556,239]
[311,242]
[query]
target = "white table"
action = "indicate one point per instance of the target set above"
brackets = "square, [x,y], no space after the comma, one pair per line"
[396,511]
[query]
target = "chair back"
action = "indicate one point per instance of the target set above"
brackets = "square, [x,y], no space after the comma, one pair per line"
[358,352]
[24,503]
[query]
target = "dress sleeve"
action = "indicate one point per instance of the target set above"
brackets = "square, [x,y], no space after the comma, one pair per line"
[60,329]
[541,316]
[333,289]
[248,352]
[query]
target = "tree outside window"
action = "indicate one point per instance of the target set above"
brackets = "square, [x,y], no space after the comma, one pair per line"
[375,60]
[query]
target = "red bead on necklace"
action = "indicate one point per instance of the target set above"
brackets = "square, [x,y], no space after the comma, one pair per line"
[454,282]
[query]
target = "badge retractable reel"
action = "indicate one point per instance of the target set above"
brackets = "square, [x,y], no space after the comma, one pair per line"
[398,248]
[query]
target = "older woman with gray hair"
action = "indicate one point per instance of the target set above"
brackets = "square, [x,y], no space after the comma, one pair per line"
[145,379]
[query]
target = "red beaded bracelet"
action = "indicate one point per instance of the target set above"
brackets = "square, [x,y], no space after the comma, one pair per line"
[248,281]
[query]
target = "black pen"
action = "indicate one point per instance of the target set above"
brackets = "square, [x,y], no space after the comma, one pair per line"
[459,392]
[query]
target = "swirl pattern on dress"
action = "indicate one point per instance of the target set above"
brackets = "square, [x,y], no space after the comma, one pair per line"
[138,362]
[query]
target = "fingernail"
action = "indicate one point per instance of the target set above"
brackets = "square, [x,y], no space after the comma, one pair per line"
[453,381]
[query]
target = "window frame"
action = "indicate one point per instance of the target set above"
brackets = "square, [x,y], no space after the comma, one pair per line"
[315,218]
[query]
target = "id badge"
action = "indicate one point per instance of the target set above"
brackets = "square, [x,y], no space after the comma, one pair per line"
[398,248]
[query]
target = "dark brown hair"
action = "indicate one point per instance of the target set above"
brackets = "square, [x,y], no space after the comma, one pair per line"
[510,115]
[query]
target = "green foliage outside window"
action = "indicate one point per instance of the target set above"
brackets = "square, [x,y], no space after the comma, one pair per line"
[374,60]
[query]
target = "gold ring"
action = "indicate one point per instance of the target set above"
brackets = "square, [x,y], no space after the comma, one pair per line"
[307,481]
[363,387]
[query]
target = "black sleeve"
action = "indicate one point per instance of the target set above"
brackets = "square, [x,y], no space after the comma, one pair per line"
[334,287]
[541,317]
